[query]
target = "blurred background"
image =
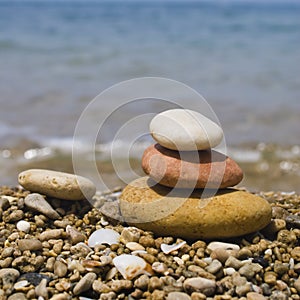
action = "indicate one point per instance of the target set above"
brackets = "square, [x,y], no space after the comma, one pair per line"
[242,56]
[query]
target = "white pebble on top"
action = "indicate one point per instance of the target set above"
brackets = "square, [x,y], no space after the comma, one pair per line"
[185,130]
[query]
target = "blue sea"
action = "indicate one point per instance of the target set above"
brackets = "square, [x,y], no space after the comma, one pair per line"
[243,57]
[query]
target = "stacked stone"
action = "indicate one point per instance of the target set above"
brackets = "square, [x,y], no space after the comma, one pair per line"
[173,198]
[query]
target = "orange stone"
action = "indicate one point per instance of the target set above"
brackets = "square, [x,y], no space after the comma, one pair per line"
[190,169]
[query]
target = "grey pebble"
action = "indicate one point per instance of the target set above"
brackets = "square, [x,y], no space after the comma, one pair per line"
[142,282]
[297,285]
[255,296]
[130,234]
[14,216]
[41,289]
[34,278]
[198,284]
[7,252]
[249,270]
[233,263]
[52,234]
[17,296]
[120,285]
[60,269]
[178,296]
[100,287]
[30,244]
[4,203]
[38,203]
[75,235]
[85,283]
[214,267]
[242,290]
[266,289]
[238,280]
[278,295]
[9,276]
[108,296]
[155,283]
[61,297]
[280,268]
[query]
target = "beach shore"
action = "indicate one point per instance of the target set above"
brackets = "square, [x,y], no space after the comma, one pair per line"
[55,266]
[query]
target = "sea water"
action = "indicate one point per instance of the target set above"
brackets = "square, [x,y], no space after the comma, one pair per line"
[241,56]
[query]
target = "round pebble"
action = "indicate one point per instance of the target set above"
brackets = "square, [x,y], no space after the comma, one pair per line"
[185,130]
[203,169]
[23,226]
[229,213]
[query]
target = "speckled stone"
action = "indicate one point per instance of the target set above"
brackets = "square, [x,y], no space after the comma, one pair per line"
[57,184]
[170,212]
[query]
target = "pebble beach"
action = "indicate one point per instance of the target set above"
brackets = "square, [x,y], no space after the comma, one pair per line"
[46,256]
[192,198]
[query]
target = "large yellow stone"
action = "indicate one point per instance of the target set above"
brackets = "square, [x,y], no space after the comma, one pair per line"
[183,213]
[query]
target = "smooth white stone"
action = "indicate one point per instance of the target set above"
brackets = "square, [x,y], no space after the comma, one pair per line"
[23,226]
[185,130]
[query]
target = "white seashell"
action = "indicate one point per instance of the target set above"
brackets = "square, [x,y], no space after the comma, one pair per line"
[131,266]
[103,236]
[268,252]
[20,284]
[103,222]
[169,248]
[220,245]
[23,226]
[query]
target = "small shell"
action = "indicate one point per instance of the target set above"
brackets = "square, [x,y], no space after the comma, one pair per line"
[131,266]
[103,222]
[169,248]
[20,284]
[104,236]
[23,226]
